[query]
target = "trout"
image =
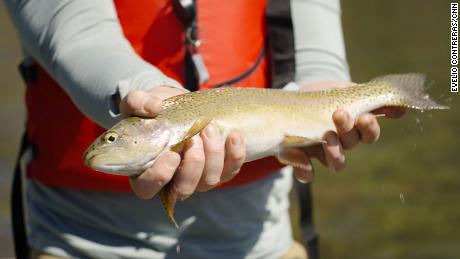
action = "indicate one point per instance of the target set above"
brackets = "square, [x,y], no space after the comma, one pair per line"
[270,120]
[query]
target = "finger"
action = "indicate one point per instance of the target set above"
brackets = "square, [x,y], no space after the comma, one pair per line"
[391,112]
[234,156]
[333,152]
[348,135]
[368,127]
[304,175]
[140,103]
[189,173]
[146,185]
[214,158]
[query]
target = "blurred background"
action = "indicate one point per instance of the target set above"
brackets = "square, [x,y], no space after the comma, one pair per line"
[399,198]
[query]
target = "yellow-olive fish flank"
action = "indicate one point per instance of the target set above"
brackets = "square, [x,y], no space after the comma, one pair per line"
[271,121]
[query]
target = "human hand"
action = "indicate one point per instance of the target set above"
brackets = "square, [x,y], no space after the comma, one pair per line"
[205,160]
[349,133]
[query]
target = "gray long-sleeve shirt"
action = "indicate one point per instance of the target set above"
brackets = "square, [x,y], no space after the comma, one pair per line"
[81,44]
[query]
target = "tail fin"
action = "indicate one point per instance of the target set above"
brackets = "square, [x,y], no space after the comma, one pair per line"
[409,91]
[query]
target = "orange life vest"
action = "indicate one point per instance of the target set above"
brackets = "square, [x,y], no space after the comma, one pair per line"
[233,36]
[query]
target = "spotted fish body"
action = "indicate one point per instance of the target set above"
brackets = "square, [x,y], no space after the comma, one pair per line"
[268,119]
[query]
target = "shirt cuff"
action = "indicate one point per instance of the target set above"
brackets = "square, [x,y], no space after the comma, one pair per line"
[143,81]
[292,86]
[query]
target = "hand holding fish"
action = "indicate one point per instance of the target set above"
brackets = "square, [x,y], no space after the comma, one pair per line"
[271,122]
[349,133]
[206,160]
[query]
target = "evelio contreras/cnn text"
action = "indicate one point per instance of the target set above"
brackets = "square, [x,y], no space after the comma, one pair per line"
[454,47]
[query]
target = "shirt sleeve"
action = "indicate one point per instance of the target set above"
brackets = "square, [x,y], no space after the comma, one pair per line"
[81,44]
[319,45]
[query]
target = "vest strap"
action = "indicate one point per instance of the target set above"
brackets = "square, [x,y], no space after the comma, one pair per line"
[185,11]
[21,246]
[245,73]
[281,42]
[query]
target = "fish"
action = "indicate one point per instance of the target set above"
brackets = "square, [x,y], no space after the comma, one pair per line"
[271,121]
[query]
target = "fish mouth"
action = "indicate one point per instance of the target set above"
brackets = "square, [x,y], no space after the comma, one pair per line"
[91,161]
[111,168]
[94,162]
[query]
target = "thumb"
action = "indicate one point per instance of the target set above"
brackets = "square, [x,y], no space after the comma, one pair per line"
[140,103]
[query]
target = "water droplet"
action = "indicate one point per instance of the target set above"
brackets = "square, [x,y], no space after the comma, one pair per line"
[417,120]
[414,147]
[401,197]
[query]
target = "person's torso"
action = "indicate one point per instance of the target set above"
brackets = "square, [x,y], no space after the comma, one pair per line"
[233,42]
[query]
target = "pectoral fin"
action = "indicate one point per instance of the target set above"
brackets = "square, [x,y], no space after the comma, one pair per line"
[169,202]
[298,141]
[196,128]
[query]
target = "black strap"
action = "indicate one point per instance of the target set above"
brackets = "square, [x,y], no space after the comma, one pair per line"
[281,42]
[28,71]
[306,220]
[245,73]
[21,246]
[191,80]
[186,12]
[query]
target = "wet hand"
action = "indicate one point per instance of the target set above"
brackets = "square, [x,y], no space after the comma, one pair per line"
[206,160]
[349,133]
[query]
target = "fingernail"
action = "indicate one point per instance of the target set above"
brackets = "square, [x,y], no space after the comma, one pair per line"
[366,119]
[236,141]
[305,176]
[332,140]
[342,114]
[152,106]
[171,159]
[302,180]
[211,131]
[179,194]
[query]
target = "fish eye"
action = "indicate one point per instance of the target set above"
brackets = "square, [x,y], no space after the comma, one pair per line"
[110,137]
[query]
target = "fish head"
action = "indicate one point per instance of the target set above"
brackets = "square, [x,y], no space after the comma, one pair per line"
[129,147]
